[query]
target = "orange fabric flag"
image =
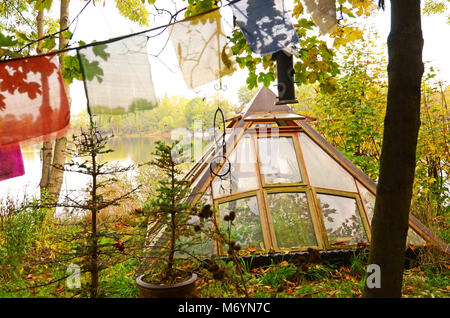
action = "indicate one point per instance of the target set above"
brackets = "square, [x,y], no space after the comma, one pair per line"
[33,101]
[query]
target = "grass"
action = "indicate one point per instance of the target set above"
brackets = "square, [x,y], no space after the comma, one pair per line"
[286,280]
[283,280]
[429,278]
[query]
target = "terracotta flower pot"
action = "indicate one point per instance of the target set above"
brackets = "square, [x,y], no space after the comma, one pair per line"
[179,290]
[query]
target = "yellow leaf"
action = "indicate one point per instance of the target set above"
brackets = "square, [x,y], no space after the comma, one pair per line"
[312,77]
[298,9]
[360,11]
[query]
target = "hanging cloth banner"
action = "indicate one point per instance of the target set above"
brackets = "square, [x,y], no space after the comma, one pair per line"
[11,163]
[33,101]
[323,14]
[266,25]
[201,49]
[117,76]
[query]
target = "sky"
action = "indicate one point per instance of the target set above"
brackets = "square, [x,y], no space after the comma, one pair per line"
[100,22]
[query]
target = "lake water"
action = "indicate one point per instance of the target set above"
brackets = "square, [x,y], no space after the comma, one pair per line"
[127,150]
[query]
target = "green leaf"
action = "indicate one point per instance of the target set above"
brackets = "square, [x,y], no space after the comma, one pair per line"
[23,36]
[71,69]
[252,80]
[49,43]
[67,34]
[91,69]
[43,4]
[7,41]
[108,234]
[266,78]
[99,50]
[11,54]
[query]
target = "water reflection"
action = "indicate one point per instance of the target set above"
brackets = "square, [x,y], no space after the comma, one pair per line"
[135,148]
[127,150]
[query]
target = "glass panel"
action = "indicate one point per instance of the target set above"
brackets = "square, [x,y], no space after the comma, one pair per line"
[414,238]
[199,244]
[324,171]
[278,160]
[265,116]
[242,176]
[268,116]
[246,227]
[291,220]
[342,220]
[289,116]
[368,200]
[264,125]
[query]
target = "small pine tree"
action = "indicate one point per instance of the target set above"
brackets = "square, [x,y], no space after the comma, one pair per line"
[92,243]
[172,213]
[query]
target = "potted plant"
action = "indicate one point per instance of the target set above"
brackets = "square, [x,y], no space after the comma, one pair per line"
[170,273]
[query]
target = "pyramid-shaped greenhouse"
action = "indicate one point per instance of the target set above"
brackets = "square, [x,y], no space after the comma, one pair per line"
[289,187]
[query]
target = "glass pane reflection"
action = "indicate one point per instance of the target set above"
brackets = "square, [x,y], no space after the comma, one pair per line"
[414,238]
[323,170]
[291,220]
[342,220]
[242,176]
[246,227]
[278,160]
[368,200]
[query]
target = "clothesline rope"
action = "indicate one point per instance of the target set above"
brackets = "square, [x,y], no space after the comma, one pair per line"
[119,37]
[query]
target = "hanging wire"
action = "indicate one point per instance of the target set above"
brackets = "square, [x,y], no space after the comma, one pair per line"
[76,25]
[56,33]
[79,13]
[341,15]
[31,25]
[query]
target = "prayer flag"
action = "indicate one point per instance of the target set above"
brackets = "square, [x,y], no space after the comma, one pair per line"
[266,25]
[33,101]
[11,164]
[323,14]
[200,45]
[117,76]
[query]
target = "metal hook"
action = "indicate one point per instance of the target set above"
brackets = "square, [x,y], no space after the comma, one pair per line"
[220,86]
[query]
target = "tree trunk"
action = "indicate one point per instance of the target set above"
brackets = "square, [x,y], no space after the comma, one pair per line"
[59,156]
[170,262]
[94,238]
[398,157]
[46,146]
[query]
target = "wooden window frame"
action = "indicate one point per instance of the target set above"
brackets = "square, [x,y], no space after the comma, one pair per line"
[262,215]
[315,222]
[362,214]
[298,156]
